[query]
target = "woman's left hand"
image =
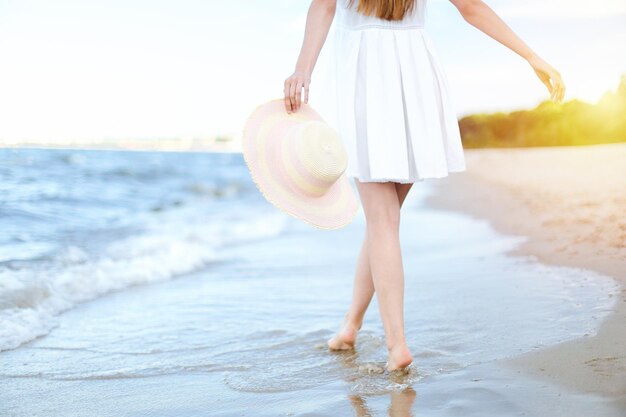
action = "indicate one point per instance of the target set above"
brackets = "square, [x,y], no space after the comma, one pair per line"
[550,77]
[293,90]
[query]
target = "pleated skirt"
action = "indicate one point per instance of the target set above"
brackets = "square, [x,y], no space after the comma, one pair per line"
[386,93]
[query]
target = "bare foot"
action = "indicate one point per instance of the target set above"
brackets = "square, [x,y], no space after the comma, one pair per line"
[399,358]
[345,338]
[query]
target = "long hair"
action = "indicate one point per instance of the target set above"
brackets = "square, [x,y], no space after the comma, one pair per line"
[385,9]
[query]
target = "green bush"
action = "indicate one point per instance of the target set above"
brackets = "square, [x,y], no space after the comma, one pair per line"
[573,122]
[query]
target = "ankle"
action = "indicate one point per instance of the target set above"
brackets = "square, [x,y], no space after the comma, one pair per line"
[397,346]
[355,323]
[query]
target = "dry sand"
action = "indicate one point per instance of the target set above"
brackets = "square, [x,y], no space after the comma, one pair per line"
[571,203]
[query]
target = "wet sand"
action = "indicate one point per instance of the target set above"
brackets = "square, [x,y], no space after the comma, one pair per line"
[571,204]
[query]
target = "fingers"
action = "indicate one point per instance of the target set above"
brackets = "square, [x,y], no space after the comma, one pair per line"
[558,95]
[293,91]
[300,84]
[287,104]
[289,90]
[297,92]
[550,80]
[287,100]
[290,99]
[559,87]
[298,96]
[303,83]
[306,91]
[292,94]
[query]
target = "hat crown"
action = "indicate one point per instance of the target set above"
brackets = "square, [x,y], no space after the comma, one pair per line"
[320,150]
[297,161]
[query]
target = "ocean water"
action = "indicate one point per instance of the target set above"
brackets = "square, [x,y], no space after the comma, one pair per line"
[78,224]
[206,300]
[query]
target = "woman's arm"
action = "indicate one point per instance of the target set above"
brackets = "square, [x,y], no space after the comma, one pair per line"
[319,18]
[481,16]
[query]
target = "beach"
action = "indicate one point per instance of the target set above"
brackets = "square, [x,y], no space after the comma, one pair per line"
[167,286]
[571,203]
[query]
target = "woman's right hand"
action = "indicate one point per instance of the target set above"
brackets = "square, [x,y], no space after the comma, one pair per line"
[293,90]
[550,77]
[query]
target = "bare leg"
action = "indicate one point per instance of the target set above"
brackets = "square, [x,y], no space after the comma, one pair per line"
[363,283]
[362,294]
[382,211]
[364,290]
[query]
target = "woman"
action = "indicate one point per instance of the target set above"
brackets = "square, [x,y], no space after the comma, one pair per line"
[398,122]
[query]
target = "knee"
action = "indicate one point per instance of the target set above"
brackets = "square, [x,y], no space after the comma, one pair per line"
[386,217]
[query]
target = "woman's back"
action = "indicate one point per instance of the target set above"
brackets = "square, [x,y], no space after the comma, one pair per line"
[350,18]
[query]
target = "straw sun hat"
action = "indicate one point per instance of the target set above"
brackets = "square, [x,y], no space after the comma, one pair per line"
[298,162]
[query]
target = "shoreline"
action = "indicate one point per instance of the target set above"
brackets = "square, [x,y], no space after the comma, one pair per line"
[566,201]
[216,149]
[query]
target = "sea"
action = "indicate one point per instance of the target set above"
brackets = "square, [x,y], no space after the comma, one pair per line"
[78,224]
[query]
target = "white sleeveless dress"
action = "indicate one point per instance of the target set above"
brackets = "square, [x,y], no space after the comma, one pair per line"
[390,98]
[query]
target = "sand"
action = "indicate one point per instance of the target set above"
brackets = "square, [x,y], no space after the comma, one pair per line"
[570,202]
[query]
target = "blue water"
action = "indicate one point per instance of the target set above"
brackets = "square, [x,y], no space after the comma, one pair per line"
[76,224]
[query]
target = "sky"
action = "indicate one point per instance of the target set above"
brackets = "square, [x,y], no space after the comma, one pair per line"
[115,69]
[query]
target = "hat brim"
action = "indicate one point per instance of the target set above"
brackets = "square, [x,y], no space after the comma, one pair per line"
[261,142]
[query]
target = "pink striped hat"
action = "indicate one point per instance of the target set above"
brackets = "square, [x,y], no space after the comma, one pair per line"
[298,162]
